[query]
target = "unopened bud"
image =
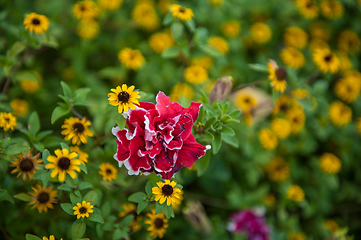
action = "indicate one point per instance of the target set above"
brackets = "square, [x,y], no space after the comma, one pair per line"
[199,128]
[195,214]
[221,89]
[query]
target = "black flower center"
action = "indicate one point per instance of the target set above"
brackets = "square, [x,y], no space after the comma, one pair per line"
[281,74]
[79,128]
[64,163]
[83,210]
[167,190]
[295,120]
[35,21]
[247,100]
[284,107]
[182,10]
[82,8]
[7,120]
[158,223]
[108,171]
[43,197]
[123,97]
[328,58]
[26,165]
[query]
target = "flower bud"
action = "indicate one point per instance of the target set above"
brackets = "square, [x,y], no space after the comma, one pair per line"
[195,214]
[221,89]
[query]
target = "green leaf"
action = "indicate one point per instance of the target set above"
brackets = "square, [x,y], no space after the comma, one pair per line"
[7,197]
[85,185]
[91,197]
[127,220]
[120,121]
[168,19]
[177,29]
[58,112]
[158,207]
[2,192]
[74,198]
[34,123]
[78,230]
[141,206]
[148,188]
[171,52]
[43,134]
[45,156]
[96,217]
[228,131]
[106,209]
[23,197]
[66,89]
[231,140]
[167,210]
[235,113]
[137,197]
[178,186]
[68,208]
[83,168]
[65,146]
[4,143]
[202,163]
[38,146]
[210,50]
[99,230]
[217,142]
[80,94]
[210,122]
[26,75]
[16,49]
[65,187]
[45,178]
[31,237]
[190,25]
[15,149]
[258,67]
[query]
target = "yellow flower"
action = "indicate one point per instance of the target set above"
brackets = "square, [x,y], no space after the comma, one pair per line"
[308,8]
[64,162]
[295,193]
[36,23]
[277,75]
[108,171]
[245,100]
[83,156]
[219,43]
[349,42]
[300,93]
[339,113]
[296,236]
[204,61]
[167,192]
[296,117]
[217,3]
[77,130]
[317,43]
[160,42]
[181,13]
[318,31]
[158,224]
[163,5]
[131,59]
[26,164]
[131,209]
[85,9]
[260,32]
[345,62]
[83,209]
[331,225]
[7,121]
[326,60]
[295,37]
[329,163]
[268,139]
[87,28]
[281,127]
[43,197]
[231,28]
[181,90]
[124,98]
[20,107]
[331,9]
[29,86]
[145,16]
[348,88]
[269,200]
[292,57]
[278,170]
[110,4]
[50,238]
[283,104]
[195,74]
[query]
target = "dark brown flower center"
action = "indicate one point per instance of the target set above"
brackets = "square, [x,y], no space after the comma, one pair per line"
[158,223]
[328,58]
[295,120]
[79,128]
[43,197]
[182,9]
[167,190]
[35,21]
[7,120]
[281,74]
[247,100]
[26,165]
[64,163]
[108,171]
[123,97]
[83,210]
[284,107]
[82,8]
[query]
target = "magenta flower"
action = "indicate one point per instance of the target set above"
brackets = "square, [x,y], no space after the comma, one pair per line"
[250,222]
[159,138]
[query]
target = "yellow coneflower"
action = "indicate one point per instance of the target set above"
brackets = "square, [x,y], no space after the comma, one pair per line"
[326,60]
[245,100]
[50,238]
[318,30]
[331,9]
[160,42]
[131,209]
[43,197]
[166,192]
[300,93]
[7,121]
[87,28]
[281,127]
[110,4]
[76,130]
[292,57]
[180,12]
[63,163]
[26,164]
[295,193]
[231,28]
[349,42]
[123,97]
[295,37]
[163,5]
[329,163]
[181,90]
[204,61]
[339,113]
[296,236]
[308,8]
[83,156]
[158,224]
[85,9]
[145,15]
[277,76]
[83,209]
[29,86]
[219,43]
[131,58]
[261,32]
[348,88]
[331,225]
[277,170]
[195,74]
[296,117]
[108,171]
[36,23]
[268,139]
[20,107]
[345,62]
